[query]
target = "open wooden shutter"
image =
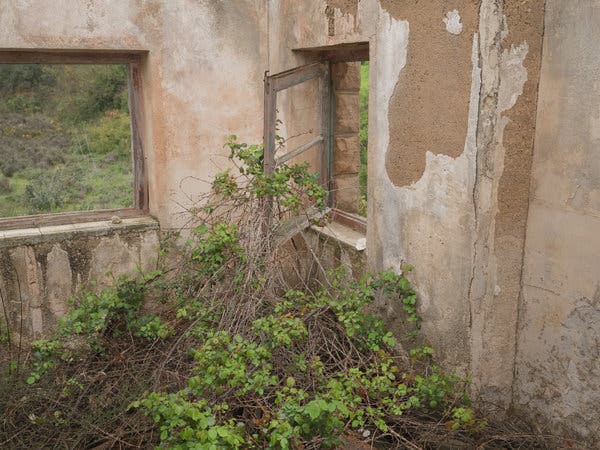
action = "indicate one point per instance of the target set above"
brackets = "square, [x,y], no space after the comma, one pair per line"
[277,83]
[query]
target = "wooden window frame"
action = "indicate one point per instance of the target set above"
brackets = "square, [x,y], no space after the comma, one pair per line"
[133,60]
[350,52]
[281,81]
[284,80]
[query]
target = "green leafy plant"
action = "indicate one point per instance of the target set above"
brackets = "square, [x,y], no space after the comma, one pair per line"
[43,353]
[230,354]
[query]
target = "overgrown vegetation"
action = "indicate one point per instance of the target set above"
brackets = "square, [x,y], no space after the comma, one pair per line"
[240,342]
[65,138]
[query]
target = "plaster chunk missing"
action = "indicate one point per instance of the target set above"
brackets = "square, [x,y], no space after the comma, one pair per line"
[430,104]
[452,21]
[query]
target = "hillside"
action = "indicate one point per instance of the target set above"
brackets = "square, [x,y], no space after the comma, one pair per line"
[64,139]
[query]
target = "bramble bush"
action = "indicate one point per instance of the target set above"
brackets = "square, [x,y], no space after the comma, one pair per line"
[221,348]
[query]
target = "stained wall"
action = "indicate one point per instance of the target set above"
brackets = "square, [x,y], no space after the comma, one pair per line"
[558,352]
[203,65]
[202,77]
[493,199]
[41,269]
[447,79]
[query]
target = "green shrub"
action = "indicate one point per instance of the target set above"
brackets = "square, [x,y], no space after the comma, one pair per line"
[16,78]
[65,131]
[5,187]
[94,90]
[110,134]
[241,360]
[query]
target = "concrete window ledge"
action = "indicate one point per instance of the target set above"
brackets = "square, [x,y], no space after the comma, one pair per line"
[343,234]
[30,236]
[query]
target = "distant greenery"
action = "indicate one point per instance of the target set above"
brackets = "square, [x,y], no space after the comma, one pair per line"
[363,136]
[64,138]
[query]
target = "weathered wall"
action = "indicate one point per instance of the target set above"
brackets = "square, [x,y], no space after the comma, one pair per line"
[430,223]
[558,357]
[452,120]
[453,100]
[42,268]
[332,246]
[425,192]
[510,51]
[202,78]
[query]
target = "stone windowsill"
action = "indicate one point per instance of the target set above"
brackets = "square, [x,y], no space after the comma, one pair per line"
[343,234]
[29,236]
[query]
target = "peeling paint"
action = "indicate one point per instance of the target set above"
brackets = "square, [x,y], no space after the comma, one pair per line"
[557,363]
[430,106]
[452,21]
[497,261]
[432,218]
[453,115]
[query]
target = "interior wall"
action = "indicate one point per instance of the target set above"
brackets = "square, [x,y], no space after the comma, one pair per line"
[453,100]
[203,66]
[452,117]
[558,359]
[41,269]
[202,58]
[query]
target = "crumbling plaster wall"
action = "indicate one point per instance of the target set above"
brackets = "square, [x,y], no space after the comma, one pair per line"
[202,78]
[452,116]
[558,355]
[452,122]
[203,64]
[42,268]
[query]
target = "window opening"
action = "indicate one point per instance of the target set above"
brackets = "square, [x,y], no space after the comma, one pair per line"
[297,119]
[350,82]
[334,142]
[68,138]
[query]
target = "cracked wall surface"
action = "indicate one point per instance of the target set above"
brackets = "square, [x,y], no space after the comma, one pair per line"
[202,57]
[510,50]
[558,354]
[202,70]
[41,269]
[430,107]
[493,198]
[453,104]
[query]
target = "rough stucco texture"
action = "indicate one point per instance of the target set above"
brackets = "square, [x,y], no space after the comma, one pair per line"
[431,102]
[203,57]
[512,37]
[345,6]
[37,278]
[525,25]
[558,355]
[430,223]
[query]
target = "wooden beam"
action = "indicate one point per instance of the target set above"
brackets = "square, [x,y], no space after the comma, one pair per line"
[297,75]
[299,150]
[68,57]
[136,111]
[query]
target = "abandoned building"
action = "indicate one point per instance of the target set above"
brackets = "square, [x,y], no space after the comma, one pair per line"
[483,162]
